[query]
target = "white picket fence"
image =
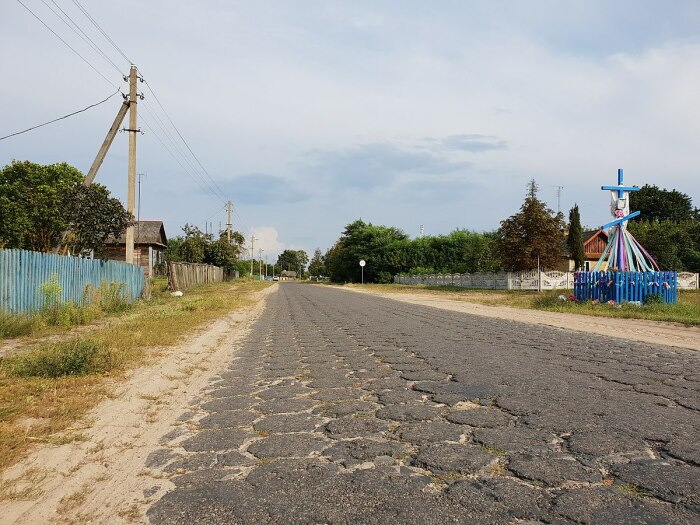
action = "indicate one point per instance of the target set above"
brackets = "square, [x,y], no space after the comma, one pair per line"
[528,280]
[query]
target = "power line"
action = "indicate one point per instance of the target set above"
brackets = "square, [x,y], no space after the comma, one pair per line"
[66,43]
[94,22]
[223,195]
[60,118]
[186,170]
[78,31]
[190,171]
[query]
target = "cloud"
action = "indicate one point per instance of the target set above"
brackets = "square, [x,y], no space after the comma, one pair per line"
[377,164]
[261,188]
[267,240]
[473,143]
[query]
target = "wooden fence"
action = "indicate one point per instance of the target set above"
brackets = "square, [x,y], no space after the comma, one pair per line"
[186,275]
[23,272]
[625,286]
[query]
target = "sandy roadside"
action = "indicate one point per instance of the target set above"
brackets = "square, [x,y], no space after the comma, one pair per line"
[653,332]
[103,478]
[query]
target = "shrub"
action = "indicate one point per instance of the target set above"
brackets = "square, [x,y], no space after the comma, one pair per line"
[72,358]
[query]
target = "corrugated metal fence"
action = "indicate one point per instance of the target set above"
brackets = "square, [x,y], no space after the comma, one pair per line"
[22,273]
[186,275]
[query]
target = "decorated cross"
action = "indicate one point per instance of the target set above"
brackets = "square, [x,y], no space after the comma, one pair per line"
[620,207]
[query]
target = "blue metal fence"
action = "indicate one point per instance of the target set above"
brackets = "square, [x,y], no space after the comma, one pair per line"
[625,286]
[22,273]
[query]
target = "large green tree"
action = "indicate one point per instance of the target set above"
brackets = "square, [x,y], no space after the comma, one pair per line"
[574,241]
[658,204]
[39,204]
[534,233]
[93,216]
[293,260]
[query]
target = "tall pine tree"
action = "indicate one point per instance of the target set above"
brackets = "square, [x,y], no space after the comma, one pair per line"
[575,239]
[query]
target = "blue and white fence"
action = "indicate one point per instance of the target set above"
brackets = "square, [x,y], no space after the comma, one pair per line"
[22,273]
[625,286]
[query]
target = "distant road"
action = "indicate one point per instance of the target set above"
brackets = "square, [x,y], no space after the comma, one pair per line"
[346,408]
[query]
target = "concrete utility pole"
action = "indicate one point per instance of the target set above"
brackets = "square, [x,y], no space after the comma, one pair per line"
[260,251]
[559,188]
[138,206]
[131,196]
[252,253]
[228,224]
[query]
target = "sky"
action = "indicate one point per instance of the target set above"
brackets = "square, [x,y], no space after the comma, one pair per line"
[308,115]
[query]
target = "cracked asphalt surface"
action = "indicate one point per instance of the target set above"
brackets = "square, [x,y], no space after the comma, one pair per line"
[344,408]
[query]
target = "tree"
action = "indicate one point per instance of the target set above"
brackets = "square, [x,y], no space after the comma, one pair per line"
[293,260]
[316,267]
[33,201]
[675,245]
[194,244]
[93,217]
[657,204]
[378,245]
[38,204]
[574,240]
[531,234]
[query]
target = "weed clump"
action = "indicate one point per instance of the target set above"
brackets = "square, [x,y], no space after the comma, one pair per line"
[73,358]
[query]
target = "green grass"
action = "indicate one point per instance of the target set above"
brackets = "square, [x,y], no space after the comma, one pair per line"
[686,311]
[55,316]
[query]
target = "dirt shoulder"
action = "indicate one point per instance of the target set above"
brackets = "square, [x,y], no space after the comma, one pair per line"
[652,332]
[103,479]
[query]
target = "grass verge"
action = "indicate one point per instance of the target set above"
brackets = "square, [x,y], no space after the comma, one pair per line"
[47,387]
[687,311]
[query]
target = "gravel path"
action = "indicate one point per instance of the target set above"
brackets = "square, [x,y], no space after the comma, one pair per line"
[344,408]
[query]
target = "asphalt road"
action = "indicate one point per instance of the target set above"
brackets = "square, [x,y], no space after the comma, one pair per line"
[343,408]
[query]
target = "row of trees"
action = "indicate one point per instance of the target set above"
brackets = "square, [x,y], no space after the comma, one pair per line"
[534,236]
[196,246]
[45,208]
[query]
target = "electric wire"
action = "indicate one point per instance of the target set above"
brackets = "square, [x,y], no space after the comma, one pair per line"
[183,140]
[191,170]
[99,28]
[66,43]
[78,31]
[60,118]
[212,215]
[153,131]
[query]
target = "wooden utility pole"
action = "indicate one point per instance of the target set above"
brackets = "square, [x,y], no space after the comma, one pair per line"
[131,188]
[228,224]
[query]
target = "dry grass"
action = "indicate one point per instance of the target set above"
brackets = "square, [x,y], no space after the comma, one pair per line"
[58,402]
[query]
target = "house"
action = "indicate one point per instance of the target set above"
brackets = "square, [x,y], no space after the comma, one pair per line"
[150,243]
[287,275]
[594,243]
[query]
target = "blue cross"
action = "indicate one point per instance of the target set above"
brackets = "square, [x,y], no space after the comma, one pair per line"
[620,189]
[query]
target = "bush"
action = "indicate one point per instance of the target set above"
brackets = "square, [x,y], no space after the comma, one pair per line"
[73,358]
